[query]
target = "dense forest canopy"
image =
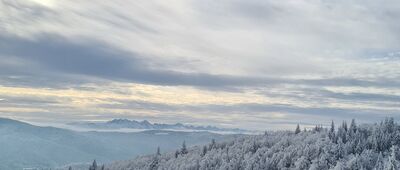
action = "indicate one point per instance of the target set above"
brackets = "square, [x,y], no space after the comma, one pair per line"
[367,146]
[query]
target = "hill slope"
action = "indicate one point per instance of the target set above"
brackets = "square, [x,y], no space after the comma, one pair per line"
[354,147]
[26,146]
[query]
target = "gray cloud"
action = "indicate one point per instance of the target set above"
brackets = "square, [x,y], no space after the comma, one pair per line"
[322,95]
[52,55]
[35,101]
[356,96]
[258,110]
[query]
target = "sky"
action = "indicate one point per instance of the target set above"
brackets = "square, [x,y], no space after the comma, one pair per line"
[254,64]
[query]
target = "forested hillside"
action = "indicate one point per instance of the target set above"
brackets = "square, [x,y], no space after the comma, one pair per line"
[372,146]
[25,146]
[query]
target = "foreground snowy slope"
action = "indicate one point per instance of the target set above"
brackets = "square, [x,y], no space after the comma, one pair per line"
[347,147]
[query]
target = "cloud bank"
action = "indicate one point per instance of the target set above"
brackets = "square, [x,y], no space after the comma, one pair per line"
[249,64]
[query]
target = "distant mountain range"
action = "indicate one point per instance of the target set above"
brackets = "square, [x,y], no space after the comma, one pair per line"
[133,124]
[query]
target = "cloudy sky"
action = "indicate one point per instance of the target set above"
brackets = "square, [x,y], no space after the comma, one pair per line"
[253,64]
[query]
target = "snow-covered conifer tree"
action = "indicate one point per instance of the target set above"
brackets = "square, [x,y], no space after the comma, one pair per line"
[297,131]
[184,149]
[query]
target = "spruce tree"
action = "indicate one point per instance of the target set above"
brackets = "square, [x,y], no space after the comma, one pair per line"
[297,131]
[93,166]
[353,126]
[204,150]
[176,154]
[393,162]
[379,164]
[158,151]
[344,125]
[332,127]
[212,144]
[331,133]
[184,149]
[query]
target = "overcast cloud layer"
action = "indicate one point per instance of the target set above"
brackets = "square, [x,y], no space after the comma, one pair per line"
[253,64]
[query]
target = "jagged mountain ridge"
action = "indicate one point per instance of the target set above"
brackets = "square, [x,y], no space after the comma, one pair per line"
[133,124]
